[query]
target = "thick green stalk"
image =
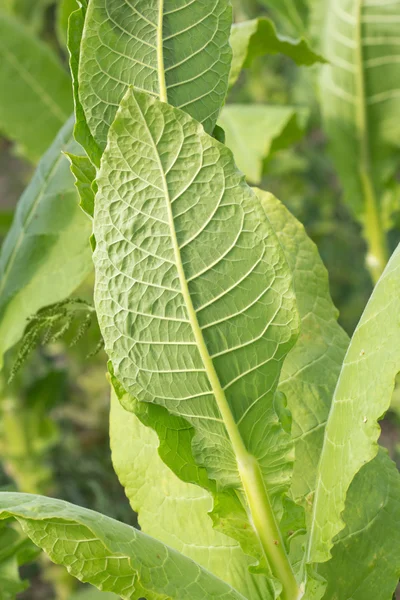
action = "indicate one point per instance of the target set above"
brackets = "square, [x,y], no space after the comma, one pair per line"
[374,234]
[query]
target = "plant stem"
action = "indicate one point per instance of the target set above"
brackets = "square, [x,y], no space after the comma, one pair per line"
[266,527]
[374,234]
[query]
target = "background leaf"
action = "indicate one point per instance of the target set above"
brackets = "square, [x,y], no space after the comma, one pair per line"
[255,132]
[108,554]
[251,39]
[35,90]
[360,96]
[46,254]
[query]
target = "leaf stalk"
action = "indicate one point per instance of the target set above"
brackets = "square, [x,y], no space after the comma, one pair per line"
[266,527]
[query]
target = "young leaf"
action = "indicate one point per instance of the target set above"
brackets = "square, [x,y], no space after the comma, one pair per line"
[255,132]
[177,51]
[362,396]
[35,90]
[46,254]
[175,512]
[110,555]
[361,102]
[183,252]
[251,39]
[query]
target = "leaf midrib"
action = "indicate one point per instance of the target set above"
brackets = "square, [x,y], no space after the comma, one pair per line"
[160,54]
[249,470]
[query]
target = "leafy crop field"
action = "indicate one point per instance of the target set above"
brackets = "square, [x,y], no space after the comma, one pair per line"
[199,299]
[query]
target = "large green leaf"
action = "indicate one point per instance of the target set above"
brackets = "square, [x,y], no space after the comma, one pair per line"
[177,50]
[110,555]
[174,512]
[251,39]
[46,254]
[184,258]
[362,396]
[361,568]
[35,90]
[255,131]
[312,368]
[360,95]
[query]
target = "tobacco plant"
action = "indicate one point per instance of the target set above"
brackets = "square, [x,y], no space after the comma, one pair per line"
[244,422]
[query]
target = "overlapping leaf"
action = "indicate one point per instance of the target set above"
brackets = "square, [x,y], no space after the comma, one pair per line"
[110,555]
[175,512]
[184,256]
[362,396]
[35,90]
[46,254]
[176,50]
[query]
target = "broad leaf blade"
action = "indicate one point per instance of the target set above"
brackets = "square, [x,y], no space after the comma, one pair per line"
[251,39]
[308,380]
[255,132]
[177,50]
[46,254]
[110,555]
[312,368]
[362,396]
[35,90]
[365,562]
[175,512]
[185,253]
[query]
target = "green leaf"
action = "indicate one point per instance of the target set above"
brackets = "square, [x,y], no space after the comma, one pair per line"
[85,174]
[251,39]
[14,551]
[360,94]
[366,555]
[176,51]
[64,10]
[32,14]
[312,368]
[81,131]
[35,90]
[172,511]
[183,251]
[255,131]
[362,396]
[360,569]
[46,254]
[110,555]
[292,14]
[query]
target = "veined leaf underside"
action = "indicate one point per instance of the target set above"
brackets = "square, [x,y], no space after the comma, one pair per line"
[177,50]
[193,291]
